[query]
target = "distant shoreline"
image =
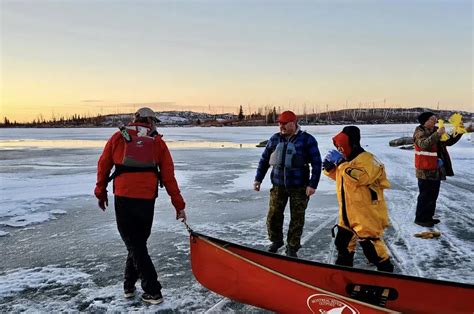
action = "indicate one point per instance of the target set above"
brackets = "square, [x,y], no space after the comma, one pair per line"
[358,116]
[203,126]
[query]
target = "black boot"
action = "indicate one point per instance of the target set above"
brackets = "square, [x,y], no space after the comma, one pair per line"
[273,248]
[291,252]
[345,259]
[386,266]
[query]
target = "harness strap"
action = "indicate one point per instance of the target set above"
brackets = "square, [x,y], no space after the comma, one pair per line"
[119,169]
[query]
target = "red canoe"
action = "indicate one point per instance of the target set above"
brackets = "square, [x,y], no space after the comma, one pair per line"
[288,285]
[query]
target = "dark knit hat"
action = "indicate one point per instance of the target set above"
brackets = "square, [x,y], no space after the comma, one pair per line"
[422,118]
[353,133]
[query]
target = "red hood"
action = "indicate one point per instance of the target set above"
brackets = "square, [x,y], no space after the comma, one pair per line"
[342,140]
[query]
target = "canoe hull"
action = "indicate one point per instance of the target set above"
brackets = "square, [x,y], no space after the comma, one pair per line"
[283,284]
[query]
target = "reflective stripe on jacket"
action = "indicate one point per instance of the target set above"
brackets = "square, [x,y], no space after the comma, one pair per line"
[426,160]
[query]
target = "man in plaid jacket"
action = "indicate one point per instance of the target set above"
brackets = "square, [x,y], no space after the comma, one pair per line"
[290,152]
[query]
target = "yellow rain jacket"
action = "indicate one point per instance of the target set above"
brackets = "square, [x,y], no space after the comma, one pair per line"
[360,184]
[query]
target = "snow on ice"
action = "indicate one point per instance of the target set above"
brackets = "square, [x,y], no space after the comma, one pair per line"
[61,253]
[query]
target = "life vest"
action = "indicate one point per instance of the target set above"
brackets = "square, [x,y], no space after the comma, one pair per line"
[285,156]
[138,154]
[426,160]
[138,150]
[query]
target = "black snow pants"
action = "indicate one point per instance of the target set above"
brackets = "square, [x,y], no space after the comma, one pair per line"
[134,220]
[374,250]
[426,205]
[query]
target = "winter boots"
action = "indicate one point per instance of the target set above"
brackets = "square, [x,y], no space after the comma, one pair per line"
[386,266]
[345,259]
[291,252]
[427,224]
[273,248]
[152,299]
[129,293]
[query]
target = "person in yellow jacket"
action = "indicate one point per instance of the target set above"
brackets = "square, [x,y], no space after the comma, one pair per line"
[363,215]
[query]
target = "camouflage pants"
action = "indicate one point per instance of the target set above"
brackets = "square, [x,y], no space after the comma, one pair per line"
[279,196]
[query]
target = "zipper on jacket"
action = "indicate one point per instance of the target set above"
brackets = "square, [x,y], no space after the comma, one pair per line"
[344,211]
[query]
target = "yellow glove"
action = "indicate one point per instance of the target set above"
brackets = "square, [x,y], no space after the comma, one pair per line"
[428,234]
[456,121]
[444,136]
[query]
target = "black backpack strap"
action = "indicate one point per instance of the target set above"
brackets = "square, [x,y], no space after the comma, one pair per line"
[119,169]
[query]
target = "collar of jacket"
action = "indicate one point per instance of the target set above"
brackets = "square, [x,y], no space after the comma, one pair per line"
[292,137]
[356,151]
[142,129]
[145,125]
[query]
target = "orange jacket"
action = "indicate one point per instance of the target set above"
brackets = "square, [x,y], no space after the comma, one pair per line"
[142,185]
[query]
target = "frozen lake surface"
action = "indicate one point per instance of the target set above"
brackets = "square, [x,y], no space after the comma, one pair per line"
[60,252]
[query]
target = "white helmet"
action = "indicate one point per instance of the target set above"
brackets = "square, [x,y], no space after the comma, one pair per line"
[146,112]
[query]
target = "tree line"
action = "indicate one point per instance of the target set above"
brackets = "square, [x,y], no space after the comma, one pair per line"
[40,121]
[264,117]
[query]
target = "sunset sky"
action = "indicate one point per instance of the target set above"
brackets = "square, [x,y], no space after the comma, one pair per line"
[109,56]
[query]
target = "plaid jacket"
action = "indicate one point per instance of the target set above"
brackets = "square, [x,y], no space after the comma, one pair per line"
[307,148]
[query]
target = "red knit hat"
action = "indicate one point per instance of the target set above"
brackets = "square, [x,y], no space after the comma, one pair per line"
[287,116]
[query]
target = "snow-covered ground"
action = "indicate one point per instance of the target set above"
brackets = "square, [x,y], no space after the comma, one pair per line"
[61,253]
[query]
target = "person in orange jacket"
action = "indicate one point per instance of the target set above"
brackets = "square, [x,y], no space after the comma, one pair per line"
[142,161]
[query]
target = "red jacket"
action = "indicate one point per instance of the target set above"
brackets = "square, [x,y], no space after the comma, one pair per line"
[142,185]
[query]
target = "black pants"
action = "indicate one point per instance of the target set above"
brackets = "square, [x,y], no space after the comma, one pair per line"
[134,221]
[374,250]
[426,205]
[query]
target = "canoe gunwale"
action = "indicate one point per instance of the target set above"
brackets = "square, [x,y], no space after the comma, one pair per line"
[367,306]
[225,244]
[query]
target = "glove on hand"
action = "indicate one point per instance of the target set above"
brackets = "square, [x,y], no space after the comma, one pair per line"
[440,163]
[103,201]
[334,156]
[327,165]
[181,215]
[101,194]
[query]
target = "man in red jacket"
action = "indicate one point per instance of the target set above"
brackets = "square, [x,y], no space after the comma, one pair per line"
[142,161]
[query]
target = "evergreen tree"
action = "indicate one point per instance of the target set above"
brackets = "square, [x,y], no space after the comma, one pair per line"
[241,113]
[271,116]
